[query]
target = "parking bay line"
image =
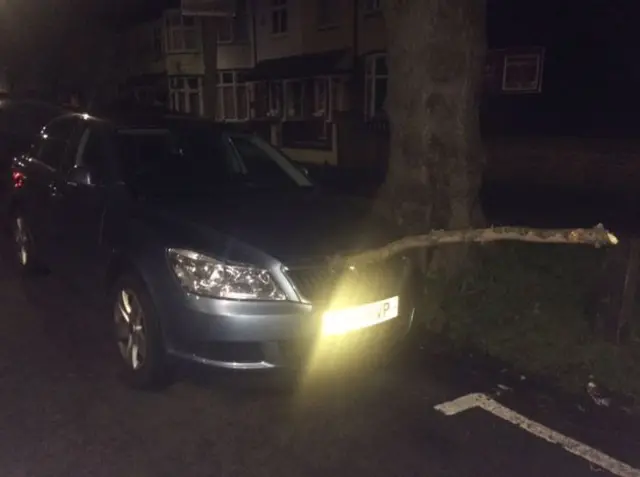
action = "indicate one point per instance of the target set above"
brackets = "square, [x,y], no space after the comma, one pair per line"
[594,456]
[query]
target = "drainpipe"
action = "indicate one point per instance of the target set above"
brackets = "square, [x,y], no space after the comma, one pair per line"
[254,31]
[355,77]
[356,30]
[209,35]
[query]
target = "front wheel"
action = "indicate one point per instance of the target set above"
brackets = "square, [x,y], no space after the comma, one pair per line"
[138,336]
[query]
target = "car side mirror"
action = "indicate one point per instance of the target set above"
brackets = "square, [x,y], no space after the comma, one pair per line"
[79,175]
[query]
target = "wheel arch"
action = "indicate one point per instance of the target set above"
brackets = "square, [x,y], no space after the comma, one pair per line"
[120,264]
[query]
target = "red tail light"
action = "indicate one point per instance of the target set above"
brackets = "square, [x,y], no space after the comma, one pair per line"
[18,179]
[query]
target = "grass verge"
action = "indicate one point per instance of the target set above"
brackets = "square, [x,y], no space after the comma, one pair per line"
[529,305]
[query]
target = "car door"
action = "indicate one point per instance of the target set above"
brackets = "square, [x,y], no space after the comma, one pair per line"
[42,173]
[80,212]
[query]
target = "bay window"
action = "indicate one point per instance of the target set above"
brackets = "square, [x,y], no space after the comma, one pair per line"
[276,98]
[185,94]
[259,100]
[311,98]
[321,97]
[266,99]
[294,99]
[297,99]
[232,99]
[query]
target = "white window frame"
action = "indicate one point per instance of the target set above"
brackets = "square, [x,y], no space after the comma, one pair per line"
[279,10]
[371,6]
[185,90]
[233,86]
[276,101]
[337,94]
[515,59]
[253,87]
[371,75]
[180,29]
[286,93]
[322,105]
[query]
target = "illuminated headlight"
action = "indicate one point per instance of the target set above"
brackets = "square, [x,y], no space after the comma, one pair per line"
[206,276]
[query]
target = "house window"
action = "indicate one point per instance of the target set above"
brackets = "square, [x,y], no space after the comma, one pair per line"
[232,100]
[259,93]
[372,6]
[336,95]
[185,94]
[276,98]
[279,17]
[235,29]
[327,13]
[182,33]
[321,97]
[375,87]
[306,98]
[294,99]
[225,30]
[522,73]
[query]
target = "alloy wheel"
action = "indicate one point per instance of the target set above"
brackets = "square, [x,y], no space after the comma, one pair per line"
[130,330]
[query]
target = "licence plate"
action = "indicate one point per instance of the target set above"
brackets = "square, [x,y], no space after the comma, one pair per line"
[344,320]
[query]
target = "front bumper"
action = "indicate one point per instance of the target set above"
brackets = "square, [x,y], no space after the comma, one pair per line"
[254,335]
[265,335]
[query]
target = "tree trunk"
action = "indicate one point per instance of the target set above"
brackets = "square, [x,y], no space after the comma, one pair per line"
[436,50]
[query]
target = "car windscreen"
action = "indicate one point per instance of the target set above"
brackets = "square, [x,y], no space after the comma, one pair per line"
[201,160]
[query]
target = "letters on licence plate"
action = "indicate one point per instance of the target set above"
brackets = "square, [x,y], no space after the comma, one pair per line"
[344,320]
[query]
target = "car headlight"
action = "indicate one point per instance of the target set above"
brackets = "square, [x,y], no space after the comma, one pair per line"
[206,276]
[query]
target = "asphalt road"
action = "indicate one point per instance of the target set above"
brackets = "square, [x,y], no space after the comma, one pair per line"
[64,413]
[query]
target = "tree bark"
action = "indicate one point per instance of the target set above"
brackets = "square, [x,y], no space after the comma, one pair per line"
[613,307]
[436,51]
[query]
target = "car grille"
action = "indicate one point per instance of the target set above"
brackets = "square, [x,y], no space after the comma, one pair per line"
[322,284]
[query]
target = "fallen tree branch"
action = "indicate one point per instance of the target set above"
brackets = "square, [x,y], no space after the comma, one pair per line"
[597,236]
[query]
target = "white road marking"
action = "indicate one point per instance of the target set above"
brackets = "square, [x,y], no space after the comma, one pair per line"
[590,454]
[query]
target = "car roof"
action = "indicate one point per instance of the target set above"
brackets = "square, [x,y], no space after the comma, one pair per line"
[151,118]
[26,117]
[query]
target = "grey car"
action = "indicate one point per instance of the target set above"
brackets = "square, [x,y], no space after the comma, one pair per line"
[210,246]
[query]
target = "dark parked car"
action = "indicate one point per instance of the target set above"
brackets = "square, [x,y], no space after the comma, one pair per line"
[211,245]
[20,123]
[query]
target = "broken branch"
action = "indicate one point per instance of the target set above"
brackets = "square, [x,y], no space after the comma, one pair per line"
[597,236]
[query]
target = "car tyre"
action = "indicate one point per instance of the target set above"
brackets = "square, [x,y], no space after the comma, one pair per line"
[137,335]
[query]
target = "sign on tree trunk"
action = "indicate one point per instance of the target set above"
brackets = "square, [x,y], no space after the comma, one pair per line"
[209,8]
